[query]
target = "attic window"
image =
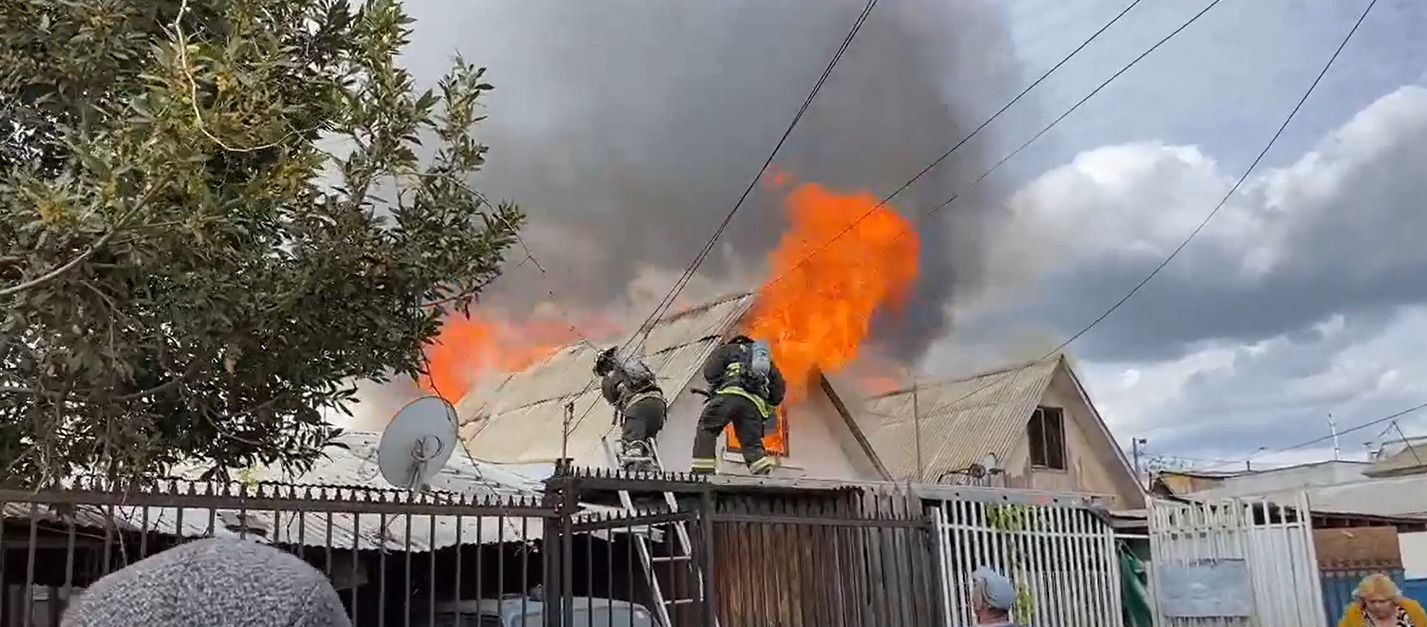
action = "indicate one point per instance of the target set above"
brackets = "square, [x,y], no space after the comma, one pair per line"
[775,443]
[1047,438]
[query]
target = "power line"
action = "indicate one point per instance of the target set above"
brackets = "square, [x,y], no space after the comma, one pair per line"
[683,280]
[903,187]
[641,333]
[1210,216]
[1371,423]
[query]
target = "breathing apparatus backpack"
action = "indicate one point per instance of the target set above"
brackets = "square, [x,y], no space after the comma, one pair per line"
[755,364]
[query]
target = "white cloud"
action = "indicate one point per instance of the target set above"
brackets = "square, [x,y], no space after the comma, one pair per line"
[1221,388]
[1313,243]
[1142,199]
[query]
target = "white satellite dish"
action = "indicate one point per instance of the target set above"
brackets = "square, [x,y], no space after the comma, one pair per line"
[991,464]
[418,442]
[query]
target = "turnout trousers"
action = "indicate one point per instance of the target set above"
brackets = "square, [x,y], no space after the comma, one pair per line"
[643,419]
[747,421]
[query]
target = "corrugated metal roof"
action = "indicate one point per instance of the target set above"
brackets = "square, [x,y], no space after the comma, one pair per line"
[961,420]
[1408,456]
[349,471]
[520,420]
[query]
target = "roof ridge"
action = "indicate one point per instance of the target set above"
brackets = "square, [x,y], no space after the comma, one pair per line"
[999,370]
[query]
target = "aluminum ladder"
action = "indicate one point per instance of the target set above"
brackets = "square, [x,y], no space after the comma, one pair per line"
[681,548]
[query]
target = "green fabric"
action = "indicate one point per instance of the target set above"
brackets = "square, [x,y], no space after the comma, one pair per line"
[1134,593]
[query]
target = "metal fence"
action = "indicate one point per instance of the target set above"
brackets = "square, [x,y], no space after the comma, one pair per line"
[1063,559]
[435,559]
[1253,560]
[689,552]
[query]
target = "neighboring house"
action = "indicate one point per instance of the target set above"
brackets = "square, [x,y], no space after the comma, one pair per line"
[1260,482]
[1033,419]
[519,422]
[1406,457]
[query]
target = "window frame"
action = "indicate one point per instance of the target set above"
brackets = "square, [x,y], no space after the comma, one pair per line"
[731,440]
[1048,456]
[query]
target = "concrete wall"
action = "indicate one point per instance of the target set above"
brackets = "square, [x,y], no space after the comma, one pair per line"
[1414,553]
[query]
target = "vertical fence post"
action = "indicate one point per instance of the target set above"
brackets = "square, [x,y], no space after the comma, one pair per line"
[706,565]
[568,508]
[550,546]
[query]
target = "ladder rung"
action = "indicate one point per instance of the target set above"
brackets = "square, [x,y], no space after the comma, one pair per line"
[670,558]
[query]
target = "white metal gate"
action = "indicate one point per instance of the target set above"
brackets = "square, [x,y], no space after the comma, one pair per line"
[1275,576]
[1062,559]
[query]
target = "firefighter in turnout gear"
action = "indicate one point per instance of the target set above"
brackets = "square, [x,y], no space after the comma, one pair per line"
[746,387]
[639,408]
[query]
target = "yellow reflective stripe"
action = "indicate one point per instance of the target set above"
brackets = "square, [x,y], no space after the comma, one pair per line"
[763,462]
[758,402]
[703,462]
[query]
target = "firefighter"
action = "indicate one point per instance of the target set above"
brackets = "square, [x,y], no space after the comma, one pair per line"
[639,406]
[746,387]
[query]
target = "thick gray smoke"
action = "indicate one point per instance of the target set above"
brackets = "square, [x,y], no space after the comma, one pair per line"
[628,128]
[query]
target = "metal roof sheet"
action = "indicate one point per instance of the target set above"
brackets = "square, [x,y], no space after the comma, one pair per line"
[961,420]
[349,473]
[520,420]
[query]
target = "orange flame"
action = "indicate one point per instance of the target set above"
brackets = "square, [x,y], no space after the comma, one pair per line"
[842,260]
[485,343]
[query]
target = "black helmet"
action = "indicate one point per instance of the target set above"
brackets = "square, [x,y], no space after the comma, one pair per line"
[741,339]
[604,363]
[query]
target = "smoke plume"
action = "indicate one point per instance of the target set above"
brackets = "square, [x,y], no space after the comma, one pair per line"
[627,129]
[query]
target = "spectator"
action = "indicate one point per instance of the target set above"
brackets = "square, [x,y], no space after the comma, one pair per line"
[1378,603]
[214,583]
[992,597]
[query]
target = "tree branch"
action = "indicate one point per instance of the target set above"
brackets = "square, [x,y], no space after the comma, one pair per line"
[89,252]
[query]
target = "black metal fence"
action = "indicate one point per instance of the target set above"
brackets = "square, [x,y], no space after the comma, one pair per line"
[575,555]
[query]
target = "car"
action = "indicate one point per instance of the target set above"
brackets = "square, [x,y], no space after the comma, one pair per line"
[526,611]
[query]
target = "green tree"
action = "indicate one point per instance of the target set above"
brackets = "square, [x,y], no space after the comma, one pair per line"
[213,217]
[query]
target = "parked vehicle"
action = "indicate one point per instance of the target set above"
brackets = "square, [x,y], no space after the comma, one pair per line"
[518,611]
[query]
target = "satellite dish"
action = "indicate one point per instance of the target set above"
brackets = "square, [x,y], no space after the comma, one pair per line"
[418,442]
[991,464]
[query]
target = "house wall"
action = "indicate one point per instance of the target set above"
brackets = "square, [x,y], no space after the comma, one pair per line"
[819,442]
[1089,467]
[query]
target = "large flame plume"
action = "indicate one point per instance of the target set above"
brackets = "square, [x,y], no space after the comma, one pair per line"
[843,259]
[489,342]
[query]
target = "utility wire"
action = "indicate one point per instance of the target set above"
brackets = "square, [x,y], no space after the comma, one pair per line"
[1371,423]
[1210,216]
[679,285]
[938,161]
[641,333]
[903,187]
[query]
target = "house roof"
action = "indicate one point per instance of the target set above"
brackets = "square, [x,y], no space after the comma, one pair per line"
[520,420]
[961,420]
[1411,455]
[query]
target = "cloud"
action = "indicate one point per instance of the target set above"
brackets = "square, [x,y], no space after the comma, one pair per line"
[1336,231]
[1227,398]
[1303,297]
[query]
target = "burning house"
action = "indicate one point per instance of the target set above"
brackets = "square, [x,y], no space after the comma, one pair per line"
[520,420]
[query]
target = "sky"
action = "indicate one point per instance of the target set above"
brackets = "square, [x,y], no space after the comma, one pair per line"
[1297,301]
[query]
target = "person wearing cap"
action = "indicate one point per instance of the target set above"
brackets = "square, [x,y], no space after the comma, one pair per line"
[992,597]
